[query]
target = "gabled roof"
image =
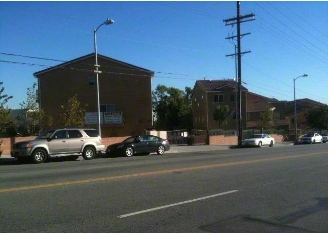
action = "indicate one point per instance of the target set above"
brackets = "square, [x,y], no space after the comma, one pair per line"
[216,85]
[258,103]
[65,64]
[254,95]
[306,102]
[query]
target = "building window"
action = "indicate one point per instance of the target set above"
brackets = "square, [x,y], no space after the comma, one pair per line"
[107,108]
[218,98]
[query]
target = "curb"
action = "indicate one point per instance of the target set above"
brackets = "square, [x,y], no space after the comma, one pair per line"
[187,148]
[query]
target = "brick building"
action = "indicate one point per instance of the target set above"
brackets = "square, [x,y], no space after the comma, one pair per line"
[208,94]
[124,93]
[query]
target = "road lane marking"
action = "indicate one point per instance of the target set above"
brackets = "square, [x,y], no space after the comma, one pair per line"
[276,182]
[175,204]
[182,169]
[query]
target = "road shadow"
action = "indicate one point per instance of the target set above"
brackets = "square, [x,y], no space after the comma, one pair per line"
[321,204]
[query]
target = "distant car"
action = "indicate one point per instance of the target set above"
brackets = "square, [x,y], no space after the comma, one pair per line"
[143,144]
[70,142]
[259,140]
[325,137]
[311,138]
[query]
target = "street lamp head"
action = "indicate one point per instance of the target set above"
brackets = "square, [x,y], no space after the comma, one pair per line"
[109,21]
[301,76]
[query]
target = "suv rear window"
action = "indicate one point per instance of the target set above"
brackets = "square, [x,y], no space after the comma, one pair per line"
[91,132]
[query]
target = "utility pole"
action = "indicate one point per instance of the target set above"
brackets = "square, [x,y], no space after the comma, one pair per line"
[238,20]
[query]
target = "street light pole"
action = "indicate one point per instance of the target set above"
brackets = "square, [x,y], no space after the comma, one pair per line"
[107,22]
[295,116]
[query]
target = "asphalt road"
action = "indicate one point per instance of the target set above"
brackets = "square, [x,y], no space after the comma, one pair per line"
[279,189]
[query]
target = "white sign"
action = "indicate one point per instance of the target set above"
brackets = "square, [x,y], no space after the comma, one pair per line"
[113,117]
[91,118]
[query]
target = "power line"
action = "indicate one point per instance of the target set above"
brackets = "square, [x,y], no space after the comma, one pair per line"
[39,58]
[156,74]
[282,23]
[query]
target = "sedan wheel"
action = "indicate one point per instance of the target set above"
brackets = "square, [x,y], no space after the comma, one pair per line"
[271,144]
[160,150]
[260,144]
[129,151]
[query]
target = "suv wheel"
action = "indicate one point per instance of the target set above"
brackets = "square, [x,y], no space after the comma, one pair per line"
[39,156]
[89,153]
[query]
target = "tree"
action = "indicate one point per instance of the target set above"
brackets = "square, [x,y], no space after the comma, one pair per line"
[72,115]
[32,116]
[4,111]
[221,114]
[317,117]
[172,108]
[267,119]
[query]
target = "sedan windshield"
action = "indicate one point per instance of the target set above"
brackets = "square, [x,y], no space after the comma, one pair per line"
[308,135]
[257,136]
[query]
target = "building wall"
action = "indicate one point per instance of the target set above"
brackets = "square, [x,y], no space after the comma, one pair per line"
[231,123]
[128,89]
[256,105]
[203,107]
[226,92]
[199,108]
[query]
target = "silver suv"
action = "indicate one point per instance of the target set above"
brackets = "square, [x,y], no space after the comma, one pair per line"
[71,142]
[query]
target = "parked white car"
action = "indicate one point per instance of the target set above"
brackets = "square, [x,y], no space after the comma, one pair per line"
[311,138]
[325,137]
[259,140]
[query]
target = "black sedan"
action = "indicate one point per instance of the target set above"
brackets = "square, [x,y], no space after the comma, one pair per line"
[143,144]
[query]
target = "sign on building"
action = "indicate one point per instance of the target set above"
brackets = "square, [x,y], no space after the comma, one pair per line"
[91,118]
[113,117]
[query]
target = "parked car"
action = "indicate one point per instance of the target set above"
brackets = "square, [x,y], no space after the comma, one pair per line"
[311,138]
[325,137]
[143,144]
[259,140]
[71,142]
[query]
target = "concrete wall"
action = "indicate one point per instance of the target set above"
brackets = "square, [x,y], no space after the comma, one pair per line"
[233,140]
[161,134]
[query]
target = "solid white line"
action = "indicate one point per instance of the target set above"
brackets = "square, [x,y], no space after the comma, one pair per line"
[175,204]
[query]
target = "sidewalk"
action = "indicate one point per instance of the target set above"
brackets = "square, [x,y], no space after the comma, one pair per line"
[196,148]
[192,148]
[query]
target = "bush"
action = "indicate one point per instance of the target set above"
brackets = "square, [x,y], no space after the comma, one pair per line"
[11,131]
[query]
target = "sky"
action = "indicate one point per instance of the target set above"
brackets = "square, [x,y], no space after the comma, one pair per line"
[181,41]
